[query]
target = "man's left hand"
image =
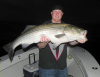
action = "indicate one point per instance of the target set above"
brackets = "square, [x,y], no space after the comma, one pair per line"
[81,40]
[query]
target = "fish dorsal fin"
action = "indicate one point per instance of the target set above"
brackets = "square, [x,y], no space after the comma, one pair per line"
[27,28]
[59,35]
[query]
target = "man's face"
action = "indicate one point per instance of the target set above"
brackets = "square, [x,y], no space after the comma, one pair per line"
[57,15]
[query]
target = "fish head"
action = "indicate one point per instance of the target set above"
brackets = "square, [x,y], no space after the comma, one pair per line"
[75,33]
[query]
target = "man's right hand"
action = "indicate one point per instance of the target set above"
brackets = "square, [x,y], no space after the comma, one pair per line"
[44,39]
[43,42]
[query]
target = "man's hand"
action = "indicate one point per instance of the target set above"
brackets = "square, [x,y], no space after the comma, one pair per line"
[78,41]
[81,40]
[43,42]
[44,39]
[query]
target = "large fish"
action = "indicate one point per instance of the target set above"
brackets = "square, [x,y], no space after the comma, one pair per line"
[57,33]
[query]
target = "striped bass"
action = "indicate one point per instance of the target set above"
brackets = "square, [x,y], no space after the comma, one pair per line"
[57,33]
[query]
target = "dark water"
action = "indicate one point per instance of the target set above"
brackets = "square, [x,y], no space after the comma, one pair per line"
[9,31]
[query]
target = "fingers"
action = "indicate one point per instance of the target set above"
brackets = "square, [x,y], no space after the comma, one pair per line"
[44,39]
[85,38]
[81,40]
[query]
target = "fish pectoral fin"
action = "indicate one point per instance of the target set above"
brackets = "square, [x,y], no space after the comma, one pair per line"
[59,35]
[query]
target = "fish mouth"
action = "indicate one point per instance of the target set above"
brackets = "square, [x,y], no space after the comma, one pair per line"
[84,32]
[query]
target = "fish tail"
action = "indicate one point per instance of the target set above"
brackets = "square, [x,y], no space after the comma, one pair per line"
[8,48]
[10,54]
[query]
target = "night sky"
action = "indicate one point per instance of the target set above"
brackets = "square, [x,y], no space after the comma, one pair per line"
[16,14]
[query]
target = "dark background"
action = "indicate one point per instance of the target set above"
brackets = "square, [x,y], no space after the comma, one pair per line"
[16,14]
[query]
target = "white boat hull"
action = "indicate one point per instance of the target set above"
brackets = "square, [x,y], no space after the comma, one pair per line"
[80,63]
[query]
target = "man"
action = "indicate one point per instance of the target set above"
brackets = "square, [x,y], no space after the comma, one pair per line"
[52,63]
